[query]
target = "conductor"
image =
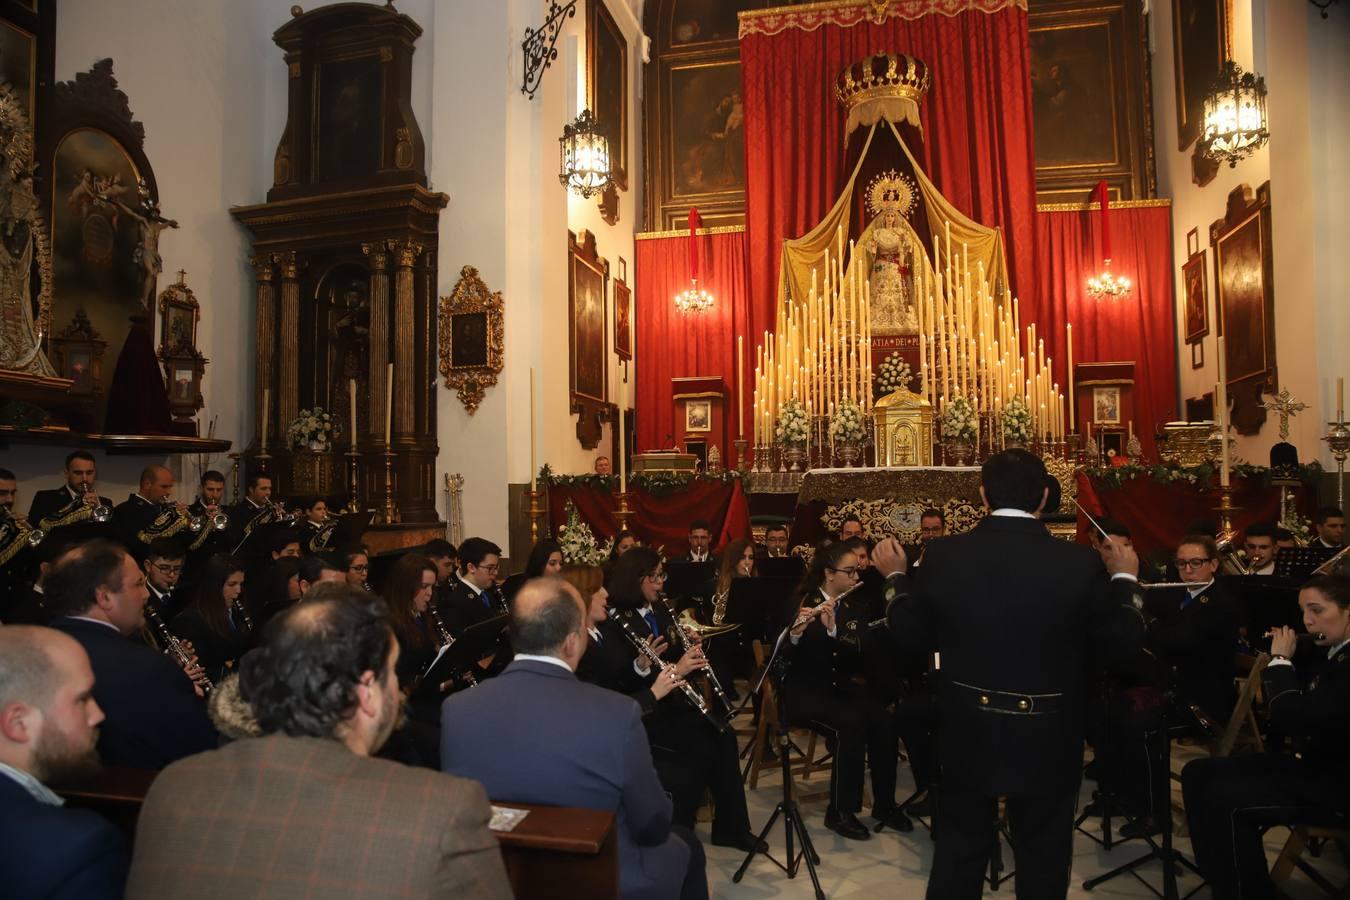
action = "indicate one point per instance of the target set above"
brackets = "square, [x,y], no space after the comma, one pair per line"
[1013,614]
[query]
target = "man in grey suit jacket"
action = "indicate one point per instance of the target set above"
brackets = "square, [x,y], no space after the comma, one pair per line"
[535,734]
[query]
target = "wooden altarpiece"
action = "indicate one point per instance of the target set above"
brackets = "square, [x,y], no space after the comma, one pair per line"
[344,254]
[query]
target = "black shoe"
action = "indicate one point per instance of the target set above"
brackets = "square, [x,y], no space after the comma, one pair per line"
[1146,826]
[894,818]
[846,825]
[921,808]
[745,841]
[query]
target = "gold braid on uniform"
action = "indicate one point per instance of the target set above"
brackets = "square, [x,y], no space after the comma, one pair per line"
[13,538]
[203,537]
[76,511]
[166,524]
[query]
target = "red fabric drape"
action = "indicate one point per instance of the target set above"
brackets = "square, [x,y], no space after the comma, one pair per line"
[659,521]
[977,127]
[673,344]
[1139,327]
[1159,515]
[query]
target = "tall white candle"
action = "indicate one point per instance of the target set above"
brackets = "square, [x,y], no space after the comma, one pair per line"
[266,415]
[388,404]
[740,388]
[534,469]
[351,395]
[623,437]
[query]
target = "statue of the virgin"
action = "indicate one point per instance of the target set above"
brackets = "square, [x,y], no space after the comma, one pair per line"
[889,243]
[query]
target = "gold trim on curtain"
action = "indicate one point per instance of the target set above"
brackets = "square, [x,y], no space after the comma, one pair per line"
[847,13]
[684,232]
[1115,204]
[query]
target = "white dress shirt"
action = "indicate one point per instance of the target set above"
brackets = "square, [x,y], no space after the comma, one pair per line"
[39,791]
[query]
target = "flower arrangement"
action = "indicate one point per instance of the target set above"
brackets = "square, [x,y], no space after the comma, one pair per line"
[958,420]
[893,375]
[313,426]
[846,425]
[1016,422]
[793,425]
[578,543]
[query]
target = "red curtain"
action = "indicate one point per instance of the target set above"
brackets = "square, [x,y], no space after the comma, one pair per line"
[977,127]
[672,344]
[1139,327]
[659,520]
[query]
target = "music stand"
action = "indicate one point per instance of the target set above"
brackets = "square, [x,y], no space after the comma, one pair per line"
[1298,563]
[793,825]
[463,653]
[1267,601]
[350,529]
[751,602]
[685,580]
[793,567]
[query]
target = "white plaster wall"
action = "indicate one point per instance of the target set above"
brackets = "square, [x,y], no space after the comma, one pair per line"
[1306,70]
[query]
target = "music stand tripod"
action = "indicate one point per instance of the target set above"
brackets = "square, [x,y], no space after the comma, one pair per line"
[793,825]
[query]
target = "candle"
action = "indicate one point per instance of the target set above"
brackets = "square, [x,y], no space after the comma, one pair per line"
[534,469]
[1340,400]
[740,389]
[351,395]
[623,437]
[388,404]
[1073,414]
[1221,414]
[266,414]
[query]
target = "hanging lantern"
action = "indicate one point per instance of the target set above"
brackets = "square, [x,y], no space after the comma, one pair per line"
[1106,285]
[1235,116]
[694,298]
[584,152]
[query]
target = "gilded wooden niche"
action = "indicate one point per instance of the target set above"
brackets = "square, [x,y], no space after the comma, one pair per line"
[472,345]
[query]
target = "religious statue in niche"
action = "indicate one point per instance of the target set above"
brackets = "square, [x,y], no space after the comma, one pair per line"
[149,225]
[349,343]
[23,246]
[889,241]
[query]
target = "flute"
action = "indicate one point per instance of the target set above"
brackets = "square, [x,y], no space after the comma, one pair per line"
[1302,636]
[809,614]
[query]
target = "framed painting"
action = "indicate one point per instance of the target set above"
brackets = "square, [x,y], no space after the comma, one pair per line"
[1106,406]
[698,415]
[587,284]
[623,320]
[706,21]
[707,130]
[1245,303]
[1194,298]
[1198,355]
[349,94]
[1200,46]
[607,84]
[1072,70]
[471,334]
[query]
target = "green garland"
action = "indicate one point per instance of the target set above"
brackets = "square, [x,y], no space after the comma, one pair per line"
[656,484]
[1116,476]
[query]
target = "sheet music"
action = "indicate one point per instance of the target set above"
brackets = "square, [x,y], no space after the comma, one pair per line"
[439,654]
[506,818]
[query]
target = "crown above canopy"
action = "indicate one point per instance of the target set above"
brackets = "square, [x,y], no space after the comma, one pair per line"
[886,86]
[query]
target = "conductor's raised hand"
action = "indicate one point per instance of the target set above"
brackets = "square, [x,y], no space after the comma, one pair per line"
[888,558]
[1119,556]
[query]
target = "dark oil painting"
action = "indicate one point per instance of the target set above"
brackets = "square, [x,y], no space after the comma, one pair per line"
[1072,91]
[1198,38]
[702,21]
[607,85]
[707,129]
[350,94]
[1197,312]
[468,340]
[588,331]
[18,62]
[1242,300]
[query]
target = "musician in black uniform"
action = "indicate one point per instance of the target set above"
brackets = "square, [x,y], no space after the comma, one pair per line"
[1231,801]
[472,596]
[1329,523]
[776,541]
[248,513]
[151,513]
[545,559]
[18,556]
[209,502]
[932,525]
[216,621]
[74,501]
[824,690]
[163,565]
[692,754]
[445,556]
[1015,614]
[700,543]
[1258,542]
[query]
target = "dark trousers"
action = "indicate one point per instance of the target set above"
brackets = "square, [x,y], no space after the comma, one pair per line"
[915,722]
[1042,839]
[1132,749]
[1231,801]
[858,730]
[695,886]
[690,756]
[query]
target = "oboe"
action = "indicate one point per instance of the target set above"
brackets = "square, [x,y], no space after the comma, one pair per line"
[687,646]
[694,697]
[174,647]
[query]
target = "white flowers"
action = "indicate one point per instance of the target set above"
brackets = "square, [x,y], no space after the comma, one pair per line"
[578,543]
[1016,422]
[793,425]
[893,375]
[958,420]
[846,425]
[313,425]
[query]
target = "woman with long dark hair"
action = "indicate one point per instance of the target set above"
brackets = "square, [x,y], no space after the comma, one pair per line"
[216,621]
[407,592]
[820,692]
[545,559]
[691,753]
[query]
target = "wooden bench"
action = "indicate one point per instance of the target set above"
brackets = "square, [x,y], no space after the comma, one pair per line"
[554,852]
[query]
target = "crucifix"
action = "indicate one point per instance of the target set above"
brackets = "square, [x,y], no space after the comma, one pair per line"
[1285,406]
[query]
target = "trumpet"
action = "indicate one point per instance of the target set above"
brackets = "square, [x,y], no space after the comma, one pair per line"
[34,535]
[643,648]
[102,512]
[171,645]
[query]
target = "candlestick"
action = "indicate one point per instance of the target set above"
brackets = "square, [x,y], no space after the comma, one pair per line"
[390,513]
[1073,412]
[388,403]
[1221,415]
[534,469]
[353,479]
[622,513]
[1340,399]
[351,395]
[535,512]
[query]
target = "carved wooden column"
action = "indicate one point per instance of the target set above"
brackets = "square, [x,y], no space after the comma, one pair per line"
[379,335]
[266,334]
[288,380]
[405,344]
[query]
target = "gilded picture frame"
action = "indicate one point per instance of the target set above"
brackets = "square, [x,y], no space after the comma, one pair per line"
[1106,405]
[623,320]
[607,84]
[471,338]
[587,287]
[698,416]
[1245,303]
[1195,300]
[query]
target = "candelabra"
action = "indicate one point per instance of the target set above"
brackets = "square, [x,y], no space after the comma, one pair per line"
[622,513]
[234,475]
[535,512]
[1227,534]
[1338,438]
[742,463]
[390,512]
[353,481]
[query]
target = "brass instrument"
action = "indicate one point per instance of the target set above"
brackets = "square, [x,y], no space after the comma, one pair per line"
[689,623]
[34,535]
[102,512]
[219,521]
[644,648]
[1230,555]
[170,644]
[682,635]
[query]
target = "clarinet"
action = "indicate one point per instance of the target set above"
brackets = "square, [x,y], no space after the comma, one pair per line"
[174,647]
[243,614]
[685,644]
[446,638]
[693,696]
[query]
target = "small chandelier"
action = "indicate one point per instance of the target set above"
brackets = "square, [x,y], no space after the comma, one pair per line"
[1108,286]
[693,298]
[584,153]
[1235,116]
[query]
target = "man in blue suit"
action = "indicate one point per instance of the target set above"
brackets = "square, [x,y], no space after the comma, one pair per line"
[535,734]
[98,594]
[48,731]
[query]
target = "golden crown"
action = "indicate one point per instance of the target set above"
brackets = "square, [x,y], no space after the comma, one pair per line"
[883,75]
